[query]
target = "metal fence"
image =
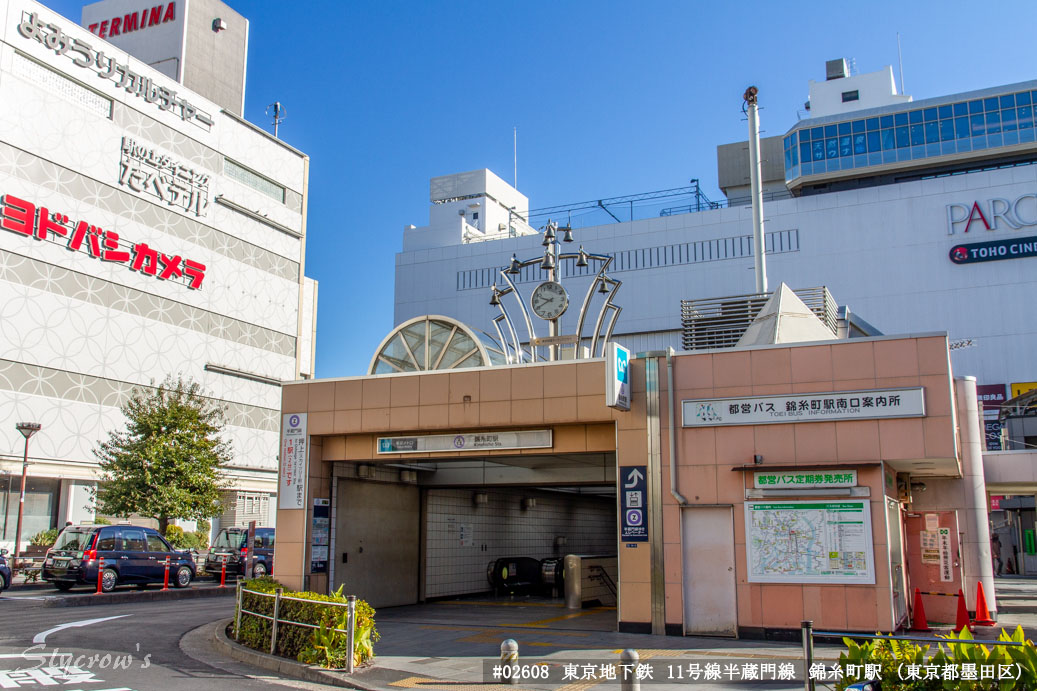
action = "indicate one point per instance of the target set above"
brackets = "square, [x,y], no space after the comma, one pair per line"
[275,620]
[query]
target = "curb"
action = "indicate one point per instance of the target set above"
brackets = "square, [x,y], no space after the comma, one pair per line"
[90,600]
[281,665]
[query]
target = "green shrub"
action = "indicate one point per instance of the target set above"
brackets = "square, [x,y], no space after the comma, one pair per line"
[101,520]
[201,539]
[203,526]
[316,646]
[891,654]
[44,538]
[180,539]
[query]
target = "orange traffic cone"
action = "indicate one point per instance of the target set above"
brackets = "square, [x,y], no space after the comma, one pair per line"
[918,622]
[963,614]
[982,613]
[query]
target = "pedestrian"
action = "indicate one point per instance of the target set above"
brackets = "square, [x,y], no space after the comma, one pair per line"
[995,552]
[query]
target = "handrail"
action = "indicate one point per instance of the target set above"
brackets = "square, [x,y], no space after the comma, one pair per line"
[604,577]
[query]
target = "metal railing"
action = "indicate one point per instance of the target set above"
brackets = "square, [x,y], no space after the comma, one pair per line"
[275,620]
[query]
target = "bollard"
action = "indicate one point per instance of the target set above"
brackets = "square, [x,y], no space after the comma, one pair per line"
[223,574]
[165,576]
[509,658]
[237,614]
[808,653]
[273,627]
[350,631]
[628,663]
[100,570]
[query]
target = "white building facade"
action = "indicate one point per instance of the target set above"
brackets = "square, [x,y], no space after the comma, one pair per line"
[919,216]
[146,233]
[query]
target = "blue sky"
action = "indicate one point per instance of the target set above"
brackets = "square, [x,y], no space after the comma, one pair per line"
[610,98]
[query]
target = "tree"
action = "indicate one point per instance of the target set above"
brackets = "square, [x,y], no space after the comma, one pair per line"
[166,462]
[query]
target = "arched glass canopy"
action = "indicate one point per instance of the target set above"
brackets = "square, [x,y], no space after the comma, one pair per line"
[433,342]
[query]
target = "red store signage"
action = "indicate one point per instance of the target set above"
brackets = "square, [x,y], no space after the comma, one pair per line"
[22,217]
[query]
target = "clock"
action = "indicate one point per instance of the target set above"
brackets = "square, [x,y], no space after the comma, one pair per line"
[549,300]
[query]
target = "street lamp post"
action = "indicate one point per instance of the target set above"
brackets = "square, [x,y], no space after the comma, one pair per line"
[27,429]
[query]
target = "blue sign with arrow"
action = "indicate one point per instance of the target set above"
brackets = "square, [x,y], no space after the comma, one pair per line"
[633,492]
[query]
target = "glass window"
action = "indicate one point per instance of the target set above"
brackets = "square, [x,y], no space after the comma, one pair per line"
[845,147]
[929,114]
[915,117]
[900,119]
[932,132]
[961,109]
[888,140]
[817,133]
[155,543]
[818,150]
[961,127]
[831,130]
[872,124]
[1008,101]
[990,104]
[854,95]
[794,140]
[133,540]
[946,130]
[832,148]
[1008,120]
[804,151]
[886,121]
[917,135]
[945,112]
[977,124]
[106,542]
[1025,117]
[74,540]
[844,128]
[994,122]
[860,144]
[788,159]
[975,107]
[788,143]
[804,136]
[873,142]
[1022,99]
[903,137]
[858,126]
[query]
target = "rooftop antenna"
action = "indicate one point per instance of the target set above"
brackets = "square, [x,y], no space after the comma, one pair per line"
[900,59]
[515,158]
[279,114]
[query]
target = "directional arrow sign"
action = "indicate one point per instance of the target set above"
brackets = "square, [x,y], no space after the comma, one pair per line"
[633,478]
[634,501]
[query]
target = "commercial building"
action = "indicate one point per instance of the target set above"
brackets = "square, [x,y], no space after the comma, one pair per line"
[918,215]
[148,231]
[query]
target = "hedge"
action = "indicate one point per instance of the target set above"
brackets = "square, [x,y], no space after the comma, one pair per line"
[315,646]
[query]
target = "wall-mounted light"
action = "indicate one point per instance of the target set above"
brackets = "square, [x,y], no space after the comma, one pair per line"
[480,498]
[408,476]
[219,25]
[528,503]
[757,459]
[364,471]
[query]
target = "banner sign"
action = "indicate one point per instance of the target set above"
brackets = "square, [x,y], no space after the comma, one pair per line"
[634,499]
[991,396]
[292,492]
[806,480]
[809,542]
[320,536]
[478,441]
[994,250]
[807,407]
[617,377]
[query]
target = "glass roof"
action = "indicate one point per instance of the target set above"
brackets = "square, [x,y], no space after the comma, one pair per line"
[434,343]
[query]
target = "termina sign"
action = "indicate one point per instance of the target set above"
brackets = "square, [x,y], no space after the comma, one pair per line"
[990,214]
[993,251]
[134,20]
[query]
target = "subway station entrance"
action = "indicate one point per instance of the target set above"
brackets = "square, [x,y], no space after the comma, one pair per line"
[480,540]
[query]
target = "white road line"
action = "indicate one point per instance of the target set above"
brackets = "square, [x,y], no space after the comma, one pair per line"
[42,636]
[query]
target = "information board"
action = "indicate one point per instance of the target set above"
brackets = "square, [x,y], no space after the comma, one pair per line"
[320,534]
[809,542]
[292,493]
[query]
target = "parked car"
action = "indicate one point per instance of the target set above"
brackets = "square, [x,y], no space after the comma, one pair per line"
[230,545]
[131,555]
[5,571]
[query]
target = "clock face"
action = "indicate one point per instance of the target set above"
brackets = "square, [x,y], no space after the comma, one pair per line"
[549,300]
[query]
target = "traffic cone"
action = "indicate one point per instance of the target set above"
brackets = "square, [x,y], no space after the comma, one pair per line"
[918,622]
[963,614]
[982,613]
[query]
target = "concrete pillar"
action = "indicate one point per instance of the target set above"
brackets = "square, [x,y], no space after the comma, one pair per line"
[975,548]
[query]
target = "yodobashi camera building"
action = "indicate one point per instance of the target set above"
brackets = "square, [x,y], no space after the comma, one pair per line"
[147,231]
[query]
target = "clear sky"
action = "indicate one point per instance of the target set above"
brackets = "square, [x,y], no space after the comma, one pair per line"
[610,98]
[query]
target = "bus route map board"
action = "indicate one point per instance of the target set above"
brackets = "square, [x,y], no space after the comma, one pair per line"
[809,541]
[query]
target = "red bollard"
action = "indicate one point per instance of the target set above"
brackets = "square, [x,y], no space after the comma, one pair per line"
[100,570]
[165,576]
[223,575]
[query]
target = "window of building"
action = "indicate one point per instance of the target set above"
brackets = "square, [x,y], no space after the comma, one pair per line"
[248,178]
